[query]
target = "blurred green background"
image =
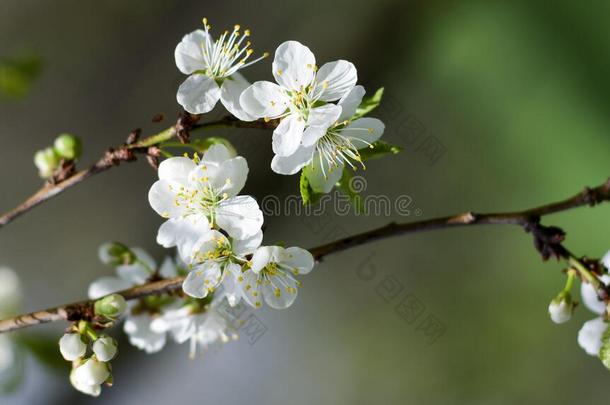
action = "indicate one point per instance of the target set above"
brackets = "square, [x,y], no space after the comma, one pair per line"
[515,95]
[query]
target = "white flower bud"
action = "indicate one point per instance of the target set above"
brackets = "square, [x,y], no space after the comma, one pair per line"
[111,306]
[93,390]
[561,308]
[91,372]
[105,348]
[115,254]
[72,346]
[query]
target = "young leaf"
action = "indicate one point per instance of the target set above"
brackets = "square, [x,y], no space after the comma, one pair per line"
[308,195]
[346,187]
[369,103]
[378,149]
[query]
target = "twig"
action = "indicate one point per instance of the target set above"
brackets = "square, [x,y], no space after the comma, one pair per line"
[547,241]
[126,153]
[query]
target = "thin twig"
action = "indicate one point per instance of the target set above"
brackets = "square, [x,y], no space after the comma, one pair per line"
[529,219]
[124,153]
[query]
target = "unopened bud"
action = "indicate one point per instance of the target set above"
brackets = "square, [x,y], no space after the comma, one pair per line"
[72,346]
[92,372]
[68,146]
[115,254]
[111,306]
[561,308]
[46,160]
[105,348]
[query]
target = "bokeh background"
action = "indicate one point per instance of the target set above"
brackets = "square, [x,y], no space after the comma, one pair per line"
[498,105]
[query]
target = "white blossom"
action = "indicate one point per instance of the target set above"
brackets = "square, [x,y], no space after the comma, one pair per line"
[72,347]
[590,335]
[94,390]
[196,195]
[213,68]
[105,348]
[91,372]
[217,260]
[271,276]
[560,310]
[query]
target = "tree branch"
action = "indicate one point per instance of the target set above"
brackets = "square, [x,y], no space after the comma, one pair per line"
[547,240]
[127,153]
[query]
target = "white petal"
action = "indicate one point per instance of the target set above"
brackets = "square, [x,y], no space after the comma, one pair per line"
[139,271]
[589,296]
[242,247]
[229,177]
[280,292]
[312,135]
[251,289]
[350,102]
[176,169]
[364,131]
[288,135]
[138,329]
[606,260]
[107,285]
[231,287]
[162,198]
[105,348]
[292,164]
[183,233]
[264,99]
[91,372]
[590,335]
[189,52]
[168,268]
[323,181]
[263,256]
[198,94]
[324,116]
[293,65]
[215,155]
[230,92]
[335,79]
[240,216]
[300,260]
[209,242]
[202,279]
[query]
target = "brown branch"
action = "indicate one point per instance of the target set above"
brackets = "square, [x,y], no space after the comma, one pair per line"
[547,239]
[127,153]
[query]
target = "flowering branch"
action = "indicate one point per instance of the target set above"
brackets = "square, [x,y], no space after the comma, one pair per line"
[546,239]
[127,153]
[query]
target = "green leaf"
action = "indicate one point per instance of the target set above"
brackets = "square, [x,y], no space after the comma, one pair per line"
[44,348]
[378,149]
[369,104]
[201,145]
[17,75]
[308,195]
[345,186]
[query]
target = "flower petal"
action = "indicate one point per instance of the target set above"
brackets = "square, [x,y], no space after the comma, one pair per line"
[250,287]
[280,292]
[230,92]
[590,335]
[107,285]
[162,198]
[335,79]
[242,247]
[364,131]
[182,232]
[312,135]
[299,260]
[138,329]
[176,169]
[263,256]
[324,116]
[231,287]
[202,280]
[189,52]
[350,102]
[292,164]
[264,99]
[322,181]
[293,65]
[288,135]
[240,216]
[198,94]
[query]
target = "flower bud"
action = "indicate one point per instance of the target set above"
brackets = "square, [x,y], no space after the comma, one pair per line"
[561,308]
[105,348]
[115,254]
[91,372]
[46,160]
[68,146]
[111,306]
[72,346]
[93,390]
